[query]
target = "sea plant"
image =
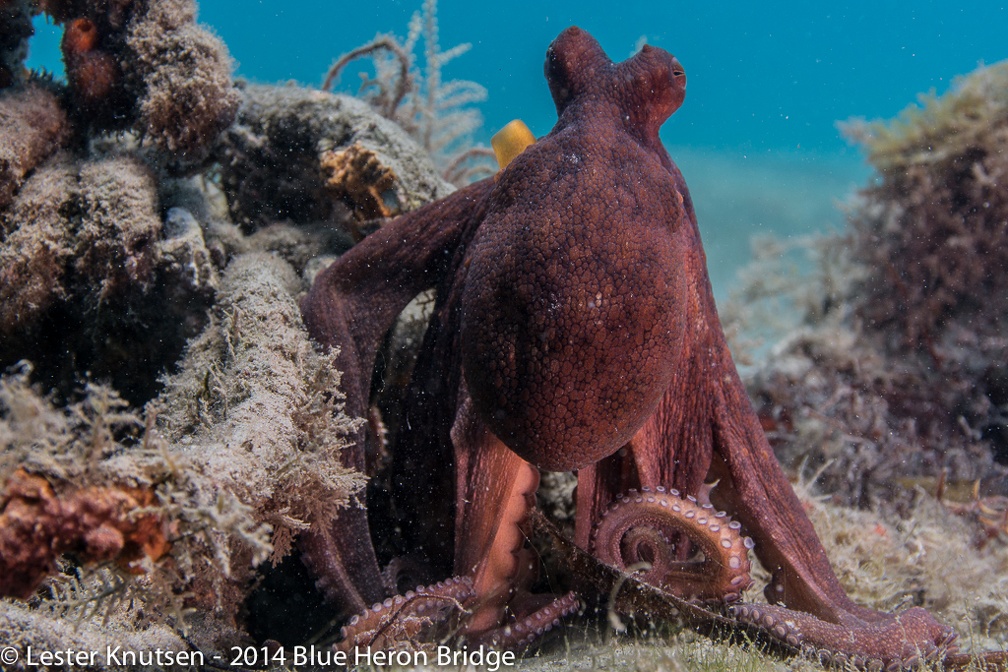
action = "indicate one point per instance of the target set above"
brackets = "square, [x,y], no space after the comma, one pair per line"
[933,230]
[896,373]
[438,114]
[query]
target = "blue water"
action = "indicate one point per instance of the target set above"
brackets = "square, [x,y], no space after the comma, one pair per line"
[767,81]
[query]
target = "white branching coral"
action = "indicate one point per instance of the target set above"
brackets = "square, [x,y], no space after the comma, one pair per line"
[436,113]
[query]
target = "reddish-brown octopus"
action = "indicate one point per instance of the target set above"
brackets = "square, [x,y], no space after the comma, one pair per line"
[575,329]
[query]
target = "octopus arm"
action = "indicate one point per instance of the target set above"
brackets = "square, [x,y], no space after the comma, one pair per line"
[351,306]
[353,302]
[759,495]
[819,614]
[497,489]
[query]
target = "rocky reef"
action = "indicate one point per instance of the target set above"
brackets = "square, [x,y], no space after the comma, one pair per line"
[895,377]
[84,177]
[166,426]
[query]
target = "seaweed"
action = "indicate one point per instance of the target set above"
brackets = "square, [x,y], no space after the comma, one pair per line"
[933,228]
[896,369]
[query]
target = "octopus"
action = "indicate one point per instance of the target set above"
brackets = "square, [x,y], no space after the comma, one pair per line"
[574,329]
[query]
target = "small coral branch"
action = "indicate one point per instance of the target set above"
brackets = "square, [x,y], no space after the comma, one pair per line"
[402,85]
[470,165]
[356,176]
[97,524]
[436,113]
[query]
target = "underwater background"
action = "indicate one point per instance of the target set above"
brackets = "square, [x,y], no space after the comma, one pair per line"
[154,364]
[767,82]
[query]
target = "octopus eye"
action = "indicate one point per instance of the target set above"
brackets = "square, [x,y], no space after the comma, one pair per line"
[678,73]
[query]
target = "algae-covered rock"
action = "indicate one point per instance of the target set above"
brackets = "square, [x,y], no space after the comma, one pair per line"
[253,394]
[83,251]
[147,66]
[238,455]
[272,159]
[175,427]
[33,125]
[186,95]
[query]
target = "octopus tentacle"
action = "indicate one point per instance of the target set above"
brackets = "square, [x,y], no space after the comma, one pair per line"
[404,617]
[498,489]
[525,631]
[780,629]
[638,528]
[340,566]
[897,645]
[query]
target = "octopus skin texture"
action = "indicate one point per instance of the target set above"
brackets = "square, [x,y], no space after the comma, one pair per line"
[574,328]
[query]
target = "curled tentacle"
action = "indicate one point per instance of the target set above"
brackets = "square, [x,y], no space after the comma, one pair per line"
[638,529]
[406,618]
